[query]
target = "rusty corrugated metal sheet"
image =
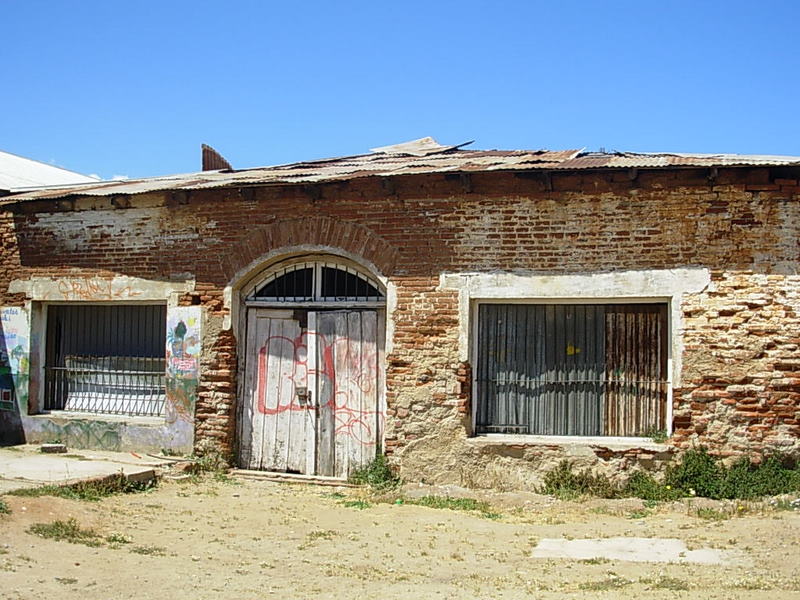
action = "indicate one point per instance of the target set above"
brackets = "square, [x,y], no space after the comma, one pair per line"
[393,161]
[572,369]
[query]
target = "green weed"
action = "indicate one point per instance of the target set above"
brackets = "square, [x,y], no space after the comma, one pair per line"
[465,504]
[4,508]
[712,514]
[210,461]
[90,491]
[642,485]
[612,583]
[68,531]
[669,583]
[377,474]
[566,484]
[697,473]
[359,504]
[117,539]
[659,436]
[148,550]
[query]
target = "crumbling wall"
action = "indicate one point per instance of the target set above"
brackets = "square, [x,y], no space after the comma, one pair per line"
[734,391]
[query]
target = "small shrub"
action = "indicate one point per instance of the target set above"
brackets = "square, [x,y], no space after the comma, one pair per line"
[745,480]
[4,508]
[700,474]
[696,474]
[68,531]
[210,461]
[697,471]
[563,482]
[643,485]
[377,474]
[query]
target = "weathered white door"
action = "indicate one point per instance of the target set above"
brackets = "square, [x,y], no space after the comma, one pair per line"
[347,382]
[278,421]
[311,391]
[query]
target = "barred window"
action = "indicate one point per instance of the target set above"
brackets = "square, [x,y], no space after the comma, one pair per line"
[106,359]
[572,369]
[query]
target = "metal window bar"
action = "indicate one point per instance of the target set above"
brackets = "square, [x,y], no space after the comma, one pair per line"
[318,281]
[109,385]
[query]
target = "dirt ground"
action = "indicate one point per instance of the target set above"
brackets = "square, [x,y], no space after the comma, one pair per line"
[247,539]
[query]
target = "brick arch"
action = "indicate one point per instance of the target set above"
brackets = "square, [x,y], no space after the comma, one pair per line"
[354,239]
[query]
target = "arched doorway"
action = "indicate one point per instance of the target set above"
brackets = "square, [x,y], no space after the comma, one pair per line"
[313,377]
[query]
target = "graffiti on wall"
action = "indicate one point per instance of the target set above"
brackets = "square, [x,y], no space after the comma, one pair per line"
[78,433]
[353,394]
[14,358]
[183,362]
[95,289]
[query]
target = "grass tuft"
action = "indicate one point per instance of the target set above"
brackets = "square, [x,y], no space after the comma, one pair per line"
[566,484]
[67,531]
[484,509]
[377,474]
[89,491]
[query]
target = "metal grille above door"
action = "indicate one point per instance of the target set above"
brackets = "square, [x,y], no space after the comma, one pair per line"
[571,369]
[319,281]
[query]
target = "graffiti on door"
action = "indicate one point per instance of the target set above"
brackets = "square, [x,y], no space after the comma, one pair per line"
[357,380]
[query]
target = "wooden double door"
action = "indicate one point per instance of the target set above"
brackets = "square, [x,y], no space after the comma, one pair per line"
[312,391]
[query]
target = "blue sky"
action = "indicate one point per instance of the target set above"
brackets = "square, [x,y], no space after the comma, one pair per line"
[134,88]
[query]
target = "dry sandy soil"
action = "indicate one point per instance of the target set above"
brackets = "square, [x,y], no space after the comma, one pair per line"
[248,539]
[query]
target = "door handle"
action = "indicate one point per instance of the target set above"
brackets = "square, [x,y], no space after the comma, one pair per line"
[303,395]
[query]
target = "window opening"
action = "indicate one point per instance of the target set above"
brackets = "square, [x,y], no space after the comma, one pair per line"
[572,369]
[318,281]
[106,359]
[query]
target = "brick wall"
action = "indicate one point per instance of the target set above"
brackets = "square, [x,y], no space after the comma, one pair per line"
[740,365]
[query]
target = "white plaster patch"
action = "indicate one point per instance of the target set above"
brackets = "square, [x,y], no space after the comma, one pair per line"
[97,289]
[633,549]
[75,230]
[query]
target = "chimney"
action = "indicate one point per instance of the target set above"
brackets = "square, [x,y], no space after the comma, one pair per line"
[212,160]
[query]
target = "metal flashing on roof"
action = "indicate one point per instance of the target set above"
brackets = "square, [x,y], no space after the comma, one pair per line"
[421,147]
[425,156]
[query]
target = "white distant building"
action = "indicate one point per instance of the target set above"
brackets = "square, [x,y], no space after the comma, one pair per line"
[18,173]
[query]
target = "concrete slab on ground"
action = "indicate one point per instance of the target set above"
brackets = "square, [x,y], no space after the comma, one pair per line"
[26,466]
[633,549]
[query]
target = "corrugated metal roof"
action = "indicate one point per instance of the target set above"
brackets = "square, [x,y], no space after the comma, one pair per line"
[18,172]
[426,156]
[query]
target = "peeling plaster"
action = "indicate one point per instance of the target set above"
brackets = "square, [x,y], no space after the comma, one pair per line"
[97,289]
[76,231]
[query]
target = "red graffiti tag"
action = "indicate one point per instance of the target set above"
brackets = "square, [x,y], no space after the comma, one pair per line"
[355,379]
